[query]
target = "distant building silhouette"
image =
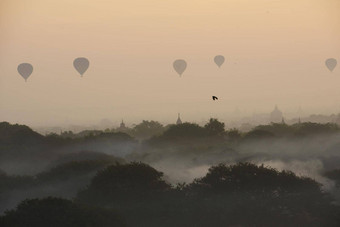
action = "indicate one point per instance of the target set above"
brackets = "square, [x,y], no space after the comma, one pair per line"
[276,115]
[179,121]
[122,127]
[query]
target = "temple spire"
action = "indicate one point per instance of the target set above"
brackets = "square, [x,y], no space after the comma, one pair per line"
[179,121]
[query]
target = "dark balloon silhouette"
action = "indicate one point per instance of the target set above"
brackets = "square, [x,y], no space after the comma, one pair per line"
[180,65]
[25,70]
[81,65]
[214,98]
[331,63]
[219,60]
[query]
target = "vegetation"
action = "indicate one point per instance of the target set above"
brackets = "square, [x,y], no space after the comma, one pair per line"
[131,182]
[334,175]
[77,180]
[147,129]
[223,197]
[57,212]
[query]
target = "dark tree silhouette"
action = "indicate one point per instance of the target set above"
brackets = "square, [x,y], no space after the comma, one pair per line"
[124,182]
[214,127]
[234,134]
[56,212]
[18,134]
[147,129]
[250,177]
[180,132]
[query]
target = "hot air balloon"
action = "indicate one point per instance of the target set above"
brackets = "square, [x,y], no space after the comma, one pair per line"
[25,70]
[180,65]
[219,60]
[81,65]
[331,63]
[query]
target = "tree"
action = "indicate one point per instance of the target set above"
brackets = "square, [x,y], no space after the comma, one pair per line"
[234,134]
[250,177]
[277,129]
[214,127]
[265,196]
[309,128]
[67,134]
[184,131]
[133,181]
[18,135]
[147,129]
[57,212]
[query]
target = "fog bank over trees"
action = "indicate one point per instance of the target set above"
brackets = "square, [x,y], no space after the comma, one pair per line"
[180,173]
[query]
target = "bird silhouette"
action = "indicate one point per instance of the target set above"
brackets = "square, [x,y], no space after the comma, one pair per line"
[214,98]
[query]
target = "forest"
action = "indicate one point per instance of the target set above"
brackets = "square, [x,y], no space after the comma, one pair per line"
[172,175]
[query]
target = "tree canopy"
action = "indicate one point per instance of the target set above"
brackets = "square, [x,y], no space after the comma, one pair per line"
[57,212]
[214,127]
[129,181]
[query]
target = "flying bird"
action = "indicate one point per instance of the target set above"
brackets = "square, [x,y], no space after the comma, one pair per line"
[214,98]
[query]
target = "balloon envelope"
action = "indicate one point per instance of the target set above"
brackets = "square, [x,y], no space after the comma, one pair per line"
[81,65]
[25,70]
[331,63]
[219,60]
[180,65]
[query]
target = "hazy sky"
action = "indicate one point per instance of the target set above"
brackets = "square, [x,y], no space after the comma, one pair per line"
[275,53]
